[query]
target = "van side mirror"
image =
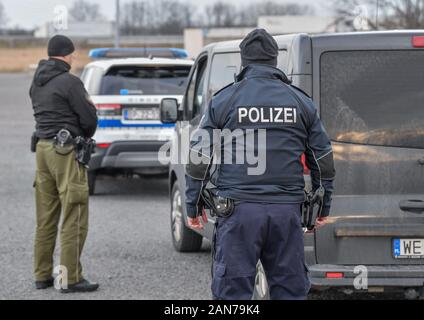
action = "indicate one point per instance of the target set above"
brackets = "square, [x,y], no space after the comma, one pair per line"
[169,110]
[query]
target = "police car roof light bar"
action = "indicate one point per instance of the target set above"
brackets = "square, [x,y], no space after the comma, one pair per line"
[104,53]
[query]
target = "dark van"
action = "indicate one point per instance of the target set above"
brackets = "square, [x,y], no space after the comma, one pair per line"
[369,90]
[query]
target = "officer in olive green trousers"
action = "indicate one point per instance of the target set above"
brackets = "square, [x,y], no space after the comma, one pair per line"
[60,102]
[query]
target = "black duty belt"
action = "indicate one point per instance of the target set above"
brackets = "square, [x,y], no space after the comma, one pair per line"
[220,207]
[84,147]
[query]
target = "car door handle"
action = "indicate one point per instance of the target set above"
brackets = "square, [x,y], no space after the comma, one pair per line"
[421,162]
[414,206]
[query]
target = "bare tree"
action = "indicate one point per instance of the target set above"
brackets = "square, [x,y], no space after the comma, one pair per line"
[175,16]
[221,14]
[249,14]
[269,8]
[83,11]
[172,16]
[133,17]
[386,14]
[403,14]
[156,17]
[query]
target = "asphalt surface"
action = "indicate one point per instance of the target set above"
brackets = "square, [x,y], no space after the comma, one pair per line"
[128,249]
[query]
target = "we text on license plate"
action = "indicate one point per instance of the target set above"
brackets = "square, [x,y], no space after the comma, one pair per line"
[141,114]
[408,248]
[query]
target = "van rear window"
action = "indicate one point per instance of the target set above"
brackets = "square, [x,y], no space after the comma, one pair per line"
[135,80]
[374,97]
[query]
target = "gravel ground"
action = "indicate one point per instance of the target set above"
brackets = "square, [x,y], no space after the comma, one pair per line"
[128,249]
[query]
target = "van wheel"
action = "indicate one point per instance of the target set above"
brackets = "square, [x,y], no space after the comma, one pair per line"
[183,238]
[91,175]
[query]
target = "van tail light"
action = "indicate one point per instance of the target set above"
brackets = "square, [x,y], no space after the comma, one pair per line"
[306,170]
[103,145]
[334,275]
[108,109]
[418,41]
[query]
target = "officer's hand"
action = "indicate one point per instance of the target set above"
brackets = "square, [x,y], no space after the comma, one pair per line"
[321,222]
[196,223]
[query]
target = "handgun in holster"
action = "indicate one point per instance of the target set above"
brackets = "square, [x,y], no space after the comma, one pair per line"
[34,141]
[220,207]
[84,148]
[312,208]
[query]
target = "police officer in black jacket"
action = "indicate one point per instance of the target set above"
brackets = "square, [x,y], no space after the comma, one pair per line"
[277,123]
[61,104]
[59,98]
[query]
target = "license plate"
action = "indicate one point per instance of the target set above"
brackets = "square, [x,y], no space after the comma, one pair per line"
[408,248]
[141,114]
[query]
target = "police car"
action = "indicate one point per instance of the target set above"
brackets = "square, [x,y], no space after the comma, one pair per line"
[127,93]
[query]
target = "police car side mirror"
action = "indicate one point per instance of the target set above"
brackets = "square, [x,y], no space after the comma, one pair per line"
[169,110]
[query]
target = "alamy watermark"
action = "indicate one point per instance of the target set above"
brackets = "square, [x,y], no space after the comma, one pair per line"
[60,21]
[240,146]
[361,18]
[361,280]
[61,280]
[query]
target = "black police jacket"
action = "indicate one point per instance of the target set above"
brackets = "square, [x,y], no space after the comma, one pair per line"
[60,101]
[260,99]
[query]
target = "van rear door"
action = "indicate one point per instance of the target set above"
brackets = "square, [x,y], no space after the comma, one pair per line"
[370,91]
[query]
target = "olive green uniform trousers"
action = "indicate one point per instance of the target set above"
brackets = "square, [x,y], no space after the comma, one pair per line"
[60,187]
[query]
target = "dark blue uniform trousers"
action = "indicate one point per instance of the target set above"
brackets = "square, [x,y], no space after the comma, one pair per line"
[271,233]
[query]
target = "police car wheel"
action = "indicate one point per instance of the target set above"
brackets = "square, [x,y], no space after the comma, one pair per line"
[183,238]
[91,182]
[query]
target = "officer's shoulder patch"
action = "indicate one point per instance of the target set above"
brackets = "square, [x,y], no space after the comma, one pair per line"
[226,87]
[298,89]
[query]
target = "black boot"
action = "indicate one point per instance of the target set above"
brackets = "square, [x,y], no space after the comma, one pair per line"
[41,285]
[82,286]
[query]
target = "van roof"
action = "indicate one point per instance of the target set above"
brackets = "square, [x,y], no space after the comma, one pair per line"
[234,45]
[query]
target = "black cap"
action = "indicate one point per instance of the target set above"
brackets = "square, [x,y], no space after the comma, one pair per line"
[259,47]
[60,46]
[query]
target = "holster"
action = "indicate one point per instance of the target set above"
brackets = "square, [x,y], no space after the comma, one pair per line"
[34,141]
[312,208]
[220,207]
[84,148]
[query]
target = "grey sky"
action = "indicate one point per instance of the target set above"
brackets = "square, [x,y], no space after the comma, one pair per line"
[31,13]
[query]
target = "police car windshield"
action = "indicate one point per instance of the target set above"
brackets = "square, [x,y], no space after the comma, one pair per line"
[134,80]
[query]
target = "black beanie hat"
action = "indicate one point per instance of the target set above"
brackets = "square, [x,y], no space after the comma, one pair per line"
[259,47]
[60,46]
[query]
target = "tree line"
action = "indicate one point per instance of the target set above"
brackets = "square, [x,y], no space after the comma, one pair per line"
[172,16]
[140,17]
[381,14]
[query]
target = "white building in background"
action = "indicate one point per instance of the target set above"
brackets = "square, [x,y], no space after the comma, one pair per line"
[196,38]
[96,29]
[297,24]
